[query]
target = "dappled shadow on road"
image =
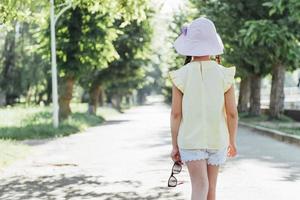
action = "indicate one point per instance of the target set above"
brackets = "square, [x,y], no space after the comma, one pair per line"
[253,148]
[79,187]
[113,122]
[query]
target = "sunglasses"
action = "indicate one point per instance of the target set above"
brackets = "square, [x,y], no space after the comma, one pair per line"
[176,169]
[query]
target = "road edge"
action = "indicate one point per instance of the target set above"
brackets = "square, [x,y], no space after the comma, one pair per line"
[278,135]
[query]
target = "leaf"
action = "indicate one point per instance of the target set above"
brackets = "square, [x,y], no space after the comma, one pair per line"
[272,11]
[268,4]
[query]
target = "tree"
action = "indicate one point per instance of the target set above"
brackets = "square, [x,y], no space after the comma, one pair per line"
[9,72]
[244,95]
[127,73]
[277,38]
[85,36]
[21,62]
[248,58]
[22,23]
[78,52]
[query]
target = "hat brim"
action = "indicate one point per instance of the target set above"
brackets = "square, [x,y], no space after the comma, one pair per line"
[187,47]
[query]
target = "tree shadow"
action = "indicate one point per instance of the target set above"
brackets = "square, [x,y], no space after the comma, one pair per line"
[79,187]
[278,154]
[113,122]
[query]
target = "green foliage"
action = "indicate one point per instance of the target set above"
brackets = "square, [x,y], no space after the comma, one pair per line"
[279,44]
[21,62]
[16,10]
[125,10]
[276,35]
[287,8]
[22,11]
[131,71]
[85,34]
[256,34]
[85,42]
[128,72]
[229,17]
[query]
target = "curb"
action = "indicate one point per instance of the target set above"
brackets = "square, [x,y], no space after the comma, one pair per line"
[278,135]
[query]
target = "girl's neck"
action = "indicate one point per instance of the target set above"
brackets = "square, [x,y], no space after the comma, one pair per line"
[200,58]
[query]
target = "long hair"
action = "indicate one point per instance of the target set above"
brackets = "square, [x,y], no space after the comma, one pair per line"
[218,59]
[187,59]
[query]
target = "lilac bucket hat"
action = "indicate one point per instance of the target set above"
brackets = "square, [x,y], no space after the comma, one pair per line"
[200,38]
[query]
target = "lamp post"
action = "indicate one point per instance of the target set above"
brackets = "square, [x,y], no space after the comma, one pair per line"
[53,20]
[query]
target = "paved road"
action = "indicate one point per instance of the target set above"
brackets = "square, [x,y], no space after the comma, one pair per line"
[128,158]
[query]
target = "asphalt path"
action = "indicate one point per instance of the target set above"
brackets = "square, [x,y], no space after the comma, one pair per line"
[127,157]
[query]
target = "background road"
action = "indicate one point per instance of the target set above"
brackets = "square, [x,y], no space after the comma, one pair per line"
[128,158]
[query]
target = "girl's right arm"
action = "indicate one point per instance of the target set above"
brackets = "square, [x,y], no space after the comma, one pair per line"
[232,120]
[175,120]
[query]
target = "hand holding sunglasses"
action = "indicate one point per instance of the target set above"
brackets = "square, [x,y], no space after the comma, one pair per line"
[176,169]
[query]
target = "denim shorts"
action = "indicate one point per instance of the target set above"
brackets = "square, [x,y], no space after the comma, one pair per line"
[213,156]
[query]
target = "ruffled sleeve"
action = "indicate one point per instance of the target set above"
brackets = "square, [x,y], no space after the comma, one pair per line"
[178,77]
[229,73]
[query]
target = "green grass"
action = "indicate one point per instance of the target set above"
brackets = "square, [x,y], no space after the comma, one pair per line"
[263,117]
[35,122]
[284,124]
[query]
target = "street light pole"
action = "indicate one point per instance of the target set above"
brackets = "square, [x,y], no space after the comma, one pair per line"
[53,20]
[54,67]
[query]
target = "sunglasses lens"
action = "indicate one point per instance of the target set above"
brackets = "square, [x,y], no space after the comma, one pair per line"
[172,181]
[176,168]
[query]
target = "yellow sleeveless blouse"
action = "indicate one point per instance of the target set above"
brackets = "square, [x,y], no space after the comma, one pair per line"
[203,84]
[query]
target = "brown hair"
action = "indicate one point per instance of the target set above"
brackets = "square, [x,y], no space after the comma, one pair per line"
[218,59]
[187,59]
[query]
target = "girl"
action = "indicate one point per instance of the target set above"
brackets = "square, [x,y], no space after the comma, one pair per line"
[204,116]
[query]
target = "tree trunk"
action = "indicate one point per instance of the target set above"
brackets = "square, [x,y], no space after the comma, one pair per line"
[49,90]
[101,97]
[255,95]
[2,99]
[65,96]
[94,98]
[116,101]
[141,97]
[244,95]
[72,64]
[9,56]
[128,100]
[277,91]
